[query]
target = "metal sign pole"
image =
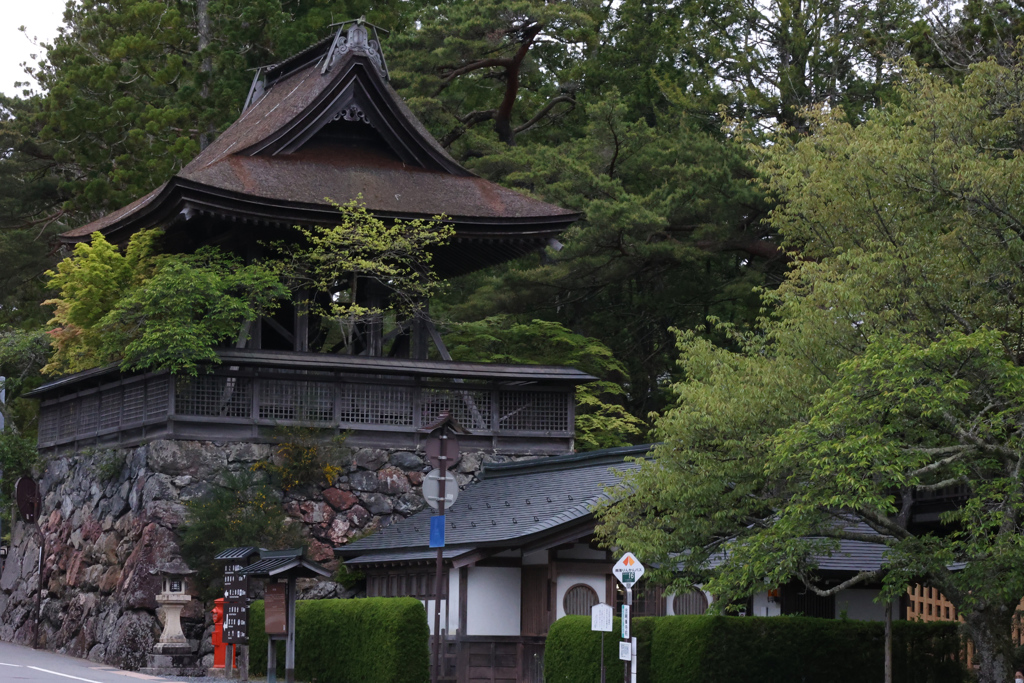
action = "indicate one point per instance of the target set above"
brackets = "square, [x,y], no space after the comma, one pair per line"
[627,670]
[39,593]
[443,459]
[602,657]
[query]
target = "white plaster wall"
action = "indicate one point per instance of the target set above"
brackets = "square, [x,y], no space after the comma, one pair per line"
[449,618]
[763,607]
[859,605]
[567,581]
[493,599]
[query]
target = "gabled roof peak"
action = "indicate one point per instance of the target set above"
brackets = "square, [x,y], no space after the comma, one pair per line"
[352,37]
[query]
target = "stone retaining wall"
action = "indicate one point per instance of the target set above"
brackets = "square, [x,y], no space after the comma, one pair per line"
[105,537]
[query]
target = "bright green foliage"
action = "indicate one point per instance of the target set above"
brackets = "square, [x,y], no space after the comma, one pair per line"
[152,311]
[384,640]
[705,649]
[888,368]
[240,510]
[392,258]
[601,422]
[572,652]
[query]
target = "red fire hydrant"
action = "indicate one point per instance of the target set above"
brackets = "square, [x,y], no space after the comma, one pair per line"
[219,647]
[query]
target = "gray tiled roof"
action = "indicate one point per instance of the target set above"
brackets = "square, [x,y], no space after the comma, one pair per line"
[514,501]
[850,556]
[410,555]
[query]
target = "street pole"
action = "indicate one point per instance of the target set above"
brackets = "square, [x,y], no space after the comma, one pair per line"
[39,593]
[602,656]
[443,461]
[628,669]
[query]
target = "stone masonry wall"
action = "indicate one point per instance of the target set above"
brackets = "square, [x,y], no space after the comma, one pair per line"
[104,538]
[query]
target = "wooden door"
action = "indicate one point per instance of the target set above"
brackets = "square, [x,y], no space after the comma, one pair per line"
[535,617]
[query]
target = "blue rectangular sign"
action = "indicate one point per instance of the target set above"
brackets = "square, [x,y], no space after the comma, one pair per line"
[437,531]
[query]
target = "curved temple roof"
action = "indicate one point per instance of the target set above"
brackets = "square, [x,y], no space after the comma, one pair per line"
[326,126]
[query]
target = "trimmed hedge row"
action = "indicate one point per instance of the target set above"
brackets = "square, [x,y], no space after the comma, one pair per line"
[705,649]
[384,640]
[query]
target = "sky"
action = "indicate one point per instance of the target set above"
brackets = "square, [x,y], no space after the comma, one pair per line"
[41,18]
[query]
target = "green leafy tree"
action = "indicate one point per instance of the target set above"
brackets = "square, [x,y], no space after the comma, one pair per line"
[669,235]
[239,511]
[364,268]
[601,420]
[887,367]
[150,311]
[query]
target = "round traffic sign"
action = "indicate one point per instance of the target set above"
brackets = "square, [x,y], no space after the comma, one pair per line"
[432,489]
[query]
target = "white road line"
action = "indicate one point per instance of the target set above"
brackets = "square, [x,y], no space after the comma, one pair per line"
[57,673]
[17,666]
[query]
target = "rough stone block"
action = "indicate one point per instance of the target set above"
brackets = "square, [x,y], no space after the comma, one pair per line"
[406,460]
[392,481]
[339,500]
[364,481]
[377,503]
[370,458]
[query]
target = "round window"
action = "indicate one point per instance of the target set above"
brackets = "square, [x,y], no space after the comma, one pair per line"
[694,602]
[579,599]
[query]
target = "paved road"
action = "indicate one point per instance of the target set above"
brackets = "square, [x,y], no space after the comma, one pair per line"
[19,664]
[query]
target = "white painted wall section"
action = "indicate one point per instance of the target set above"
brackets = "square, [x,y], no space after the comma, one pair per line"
[449,617]
[493,601]
[763,607]
[567,581]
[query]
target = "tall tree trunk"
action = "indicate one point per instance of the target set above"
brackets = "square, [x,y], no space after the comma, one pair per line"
[991,631]
[203,16]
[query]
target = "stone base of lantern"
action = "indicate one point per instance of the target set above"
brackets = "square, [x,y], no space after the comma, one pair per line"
[173,659]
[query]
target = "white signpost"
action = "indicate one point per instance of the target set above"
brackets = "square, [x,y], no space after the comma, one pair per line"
[601,618]
[628,571]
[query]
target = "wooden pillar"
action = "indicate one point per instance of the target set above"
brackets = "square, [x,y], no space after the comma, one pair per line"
[301,326]
[289,652]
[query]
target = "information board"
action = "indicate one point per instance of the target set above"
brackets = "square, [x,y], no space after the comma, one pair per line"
[276,621]
[601,617]
[236,586]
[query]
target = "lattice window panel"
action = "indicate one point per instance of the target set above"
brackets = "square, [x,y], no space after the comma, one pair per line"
[68,419]
[307,401]
[375,404]
[49,418]
[134,410]
[157,398]
[215,395]
[90,416]
[927,604]
[110,409]
[533,411]
[472,409]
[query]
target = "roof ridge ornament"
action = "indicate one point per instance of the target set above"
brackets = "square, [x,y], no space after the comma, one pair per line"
[356,38]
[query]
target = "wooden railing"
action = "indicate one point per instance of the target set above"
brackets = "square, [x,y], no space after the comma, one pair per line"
[252,401]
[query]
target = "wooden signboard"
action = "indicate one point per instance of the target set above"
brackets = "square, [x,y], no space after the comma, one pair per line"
[236,623]
[276,621]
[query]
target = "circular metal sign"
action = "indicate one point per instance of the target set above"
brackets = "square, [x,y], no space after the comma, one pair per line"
[451,446]
[432,489]
[26,492]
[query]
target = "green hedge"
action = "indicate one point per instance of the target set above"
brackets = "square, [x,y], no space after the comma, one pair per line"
[383,640]
[702,649]
[572,652]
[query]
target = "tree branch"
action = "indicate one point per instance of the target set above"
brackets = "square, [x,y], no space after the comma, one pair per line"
[852,581]
[543,112]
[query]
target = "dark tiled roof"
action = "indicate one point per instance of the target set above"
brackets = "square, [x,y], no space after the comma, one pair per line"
[513,503]
[409,556]
[850,556]
[261,158]
[237,553]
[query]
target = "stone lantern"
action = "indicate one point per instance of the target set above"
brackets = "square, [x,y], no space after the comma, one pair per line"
[173,654]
